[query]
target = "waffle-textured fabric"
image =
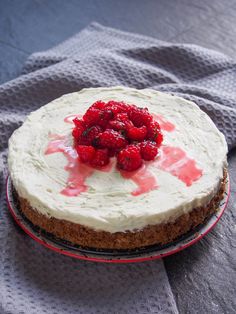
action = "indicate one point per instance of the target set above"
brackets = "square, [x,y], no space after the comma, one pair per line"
[36,280]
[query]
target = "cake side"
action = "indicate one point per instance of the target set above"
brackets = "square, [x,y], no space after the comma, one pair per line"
[149,235]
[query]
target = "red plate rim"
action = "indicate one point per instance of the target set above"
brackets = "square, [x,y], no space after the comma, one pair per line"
[154,256]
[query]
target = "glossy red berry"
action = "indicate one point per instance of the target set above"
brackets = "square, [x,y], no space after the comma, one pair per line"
[117,107]
[159,139]
[129,158]
[76,133]
[153,130]
[99,117]
[89,135]
[79,123]
[148,150]
[79,128]
[137,134]
[114,106]
[140,116]
[105,116]
[99,105]
[122,117]
[92,116]
[111,139]
[86,153]
[100,158]
[116,125]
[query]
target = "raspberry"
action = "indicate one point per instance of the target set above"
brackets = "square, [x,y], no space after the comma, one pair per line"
[117,107]
[148,150]
[140,116]
[105,116]
[88,137]
[100,158]
[119,125]
[111,139]
[116,125]
[159,139]
[99,105]
[122,117]
[79,123]
[129,158]
[86,153]
[79,128]
[76,133]
[92,116]
[131,108]
[153,131]
[137,134]
[128,124]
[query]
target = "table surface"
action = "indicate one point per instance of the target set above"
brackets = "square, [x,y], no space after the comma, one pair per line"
[202,277]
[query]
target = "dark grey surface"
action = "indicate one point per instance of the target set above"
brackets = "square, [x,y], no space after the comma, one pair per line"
[31,25]
[28,26]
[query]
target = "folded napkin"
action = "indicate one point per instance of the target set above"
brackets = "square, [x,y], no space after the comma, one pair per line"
[36,280]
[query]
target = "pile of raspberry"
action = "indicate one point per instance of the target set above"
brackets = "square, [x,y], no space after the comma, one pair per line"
[116,129]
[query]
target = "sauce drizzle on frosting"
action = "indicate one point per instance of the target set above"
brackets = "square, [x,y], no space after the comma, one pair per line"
[171,159]
[78,172]
[143,178]
[164,124]
[176,162]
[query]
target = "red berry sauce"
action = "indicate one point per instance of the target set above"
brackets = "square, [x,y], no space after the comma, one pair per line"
[78,171]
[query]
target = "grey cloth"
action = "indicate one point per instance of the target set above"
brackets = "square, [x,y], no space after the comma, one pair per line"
[36,280]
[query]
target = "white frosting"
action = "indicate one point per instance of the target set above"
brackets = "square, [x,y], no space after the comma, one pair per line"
[108,204]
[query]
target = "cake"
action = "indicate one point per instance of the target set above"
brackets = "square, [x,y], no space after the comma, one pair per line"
[155,202]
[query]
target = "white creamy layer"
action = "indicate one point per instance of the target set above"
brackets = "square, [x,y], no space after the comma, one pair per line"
[108,204]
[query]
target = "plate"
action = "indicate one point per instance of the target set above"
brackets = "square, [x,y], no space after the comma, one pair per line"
[112,256]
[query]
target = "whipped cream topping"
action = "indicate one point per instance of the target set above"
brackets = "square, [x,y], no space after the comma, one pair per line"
[108,203]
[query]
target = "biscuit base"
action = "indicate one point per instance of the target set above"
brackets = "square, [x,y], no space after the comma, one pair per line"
[150,235]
